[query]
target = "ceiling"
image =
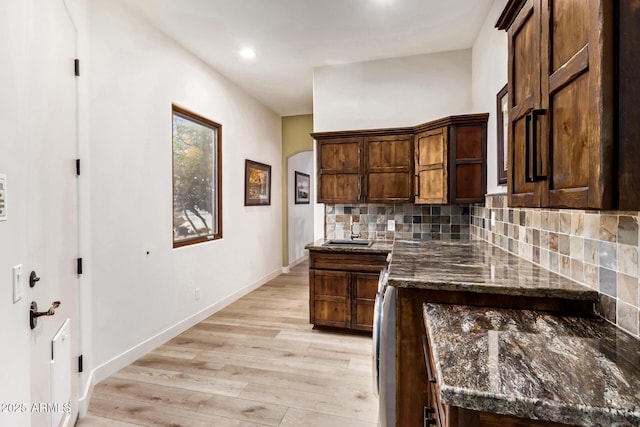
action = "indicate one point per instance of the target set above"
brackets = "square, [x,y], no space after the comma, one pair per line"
[292,37]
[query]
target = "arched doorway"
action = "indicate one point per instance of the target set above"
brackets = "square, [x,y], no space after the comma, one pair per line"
[300,215]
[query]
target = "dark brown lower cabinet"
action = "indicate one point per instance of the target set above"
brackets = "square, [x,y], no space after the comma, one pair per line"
[365,287]
[342,289]
[331,304]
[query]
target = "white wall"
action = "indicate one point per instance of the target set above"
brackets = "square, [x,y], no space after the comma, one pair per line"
[141,286]
[38,123]
[301,215]
[14,358]
[489,76]
[392,92]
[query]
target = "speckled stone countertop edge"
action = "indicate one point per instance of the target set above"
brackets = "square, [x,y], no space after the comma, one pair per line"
[538,409]
[480,267]
[379,246]
[456,286]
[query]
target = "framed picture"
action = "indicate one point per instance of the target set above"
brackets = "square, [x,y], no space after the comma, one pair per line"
[503,133]
[257,183]
[302,188]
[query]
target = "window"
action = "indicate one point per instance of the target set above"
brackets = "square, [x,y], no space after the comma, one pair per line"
[197,176]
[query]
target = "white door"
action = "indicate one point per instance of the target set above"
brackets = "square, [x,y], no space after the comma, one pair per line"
[52,223]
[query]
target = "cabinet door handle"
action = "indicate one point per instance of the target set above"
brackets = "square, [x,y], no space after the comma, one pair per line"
[425,349]
[531,160]
[534,144]
[528,176]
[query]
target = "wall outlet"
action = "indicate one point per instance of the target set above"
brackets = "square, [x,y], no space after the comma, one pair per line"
[18,283]
[391,225]
[197,294]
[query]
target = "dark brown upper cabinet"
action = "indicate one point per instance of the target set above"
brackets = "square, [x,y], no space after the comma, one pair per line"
[451,160]
[388,168]
[365,166]
[340,170]
[570,87]
[405,165]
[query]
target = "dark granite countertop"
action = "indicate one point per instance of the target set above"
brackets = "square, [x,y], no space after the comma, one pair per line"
[378,246]
[477,266]
[574,370]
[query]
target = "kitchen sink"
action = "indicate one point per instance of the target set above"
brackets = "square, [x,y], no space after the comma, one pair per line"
[346,242]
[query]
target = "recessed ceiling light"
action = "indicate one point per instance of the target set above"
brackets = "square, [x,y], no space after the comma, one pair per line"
[247,53]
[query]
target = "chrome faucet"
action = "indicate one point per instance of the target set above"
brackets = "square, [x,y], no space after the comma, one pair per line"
[355,235]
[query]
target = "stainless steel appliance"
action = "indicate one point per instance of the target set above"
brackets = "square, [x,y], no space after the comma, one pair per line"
[384,351]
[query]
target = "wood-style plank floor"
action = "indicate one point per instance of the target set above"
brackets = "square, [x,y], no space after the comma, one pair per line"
[258,362]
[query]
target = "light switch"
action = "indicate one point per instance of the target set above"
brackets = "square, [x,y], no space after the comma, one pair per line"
[18,283]
[493,218]
[391,225]
[3,197]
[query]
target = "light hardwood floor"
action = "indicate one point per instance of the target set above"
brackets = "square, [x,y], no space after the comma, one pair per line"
[256,362]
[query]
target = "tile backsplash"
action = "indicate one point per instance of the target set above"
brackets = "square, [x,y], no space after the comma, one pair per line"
[412,222]
[596,248]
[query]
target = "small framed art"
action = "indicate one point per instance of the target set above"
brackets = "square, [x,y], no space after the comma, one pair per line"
[302,188]
[257,184]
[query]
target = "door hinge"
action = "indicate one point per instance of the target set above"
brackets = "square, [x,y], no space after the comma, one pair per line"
[76,65]
[79,266]
[80,361]
[78,167]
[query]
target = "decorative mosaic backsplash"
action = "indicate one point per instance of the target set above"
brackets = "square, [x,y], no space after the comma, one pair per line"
[412,222]
[596,248]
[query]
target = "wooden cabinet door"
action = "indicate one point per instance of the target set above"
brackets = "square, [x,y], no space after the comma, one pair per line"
[431,174]
[524,98]
[468,163]
[388,168]
[330,298]
[576,151]
[561,98]
[365,287]
[340,170]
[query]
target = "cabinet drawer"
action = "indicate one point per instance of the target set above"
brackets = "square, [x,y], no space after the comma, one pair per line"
[348,261]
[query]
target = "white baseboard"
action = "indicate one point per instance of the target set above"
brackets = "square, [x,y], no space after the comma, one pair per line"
[126,358]
[288,268]
[85,395]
